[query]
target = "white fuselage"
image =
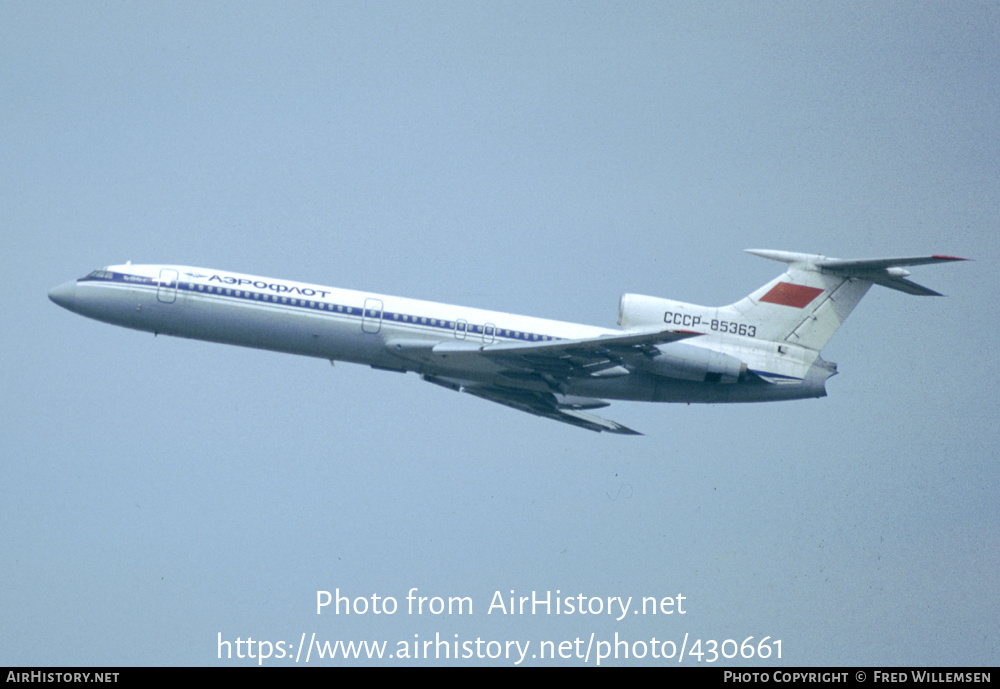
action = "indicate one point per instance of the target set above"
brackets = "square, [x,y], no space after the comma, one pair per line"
[359,327]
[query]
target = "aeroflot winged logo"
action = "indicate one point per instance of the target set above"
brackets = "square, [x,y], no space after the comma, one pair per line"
[764,347]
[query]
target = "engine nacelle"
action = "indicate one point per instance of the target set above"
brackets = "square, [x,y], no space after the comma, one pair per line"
[688,362]
[635,310]
[638,311]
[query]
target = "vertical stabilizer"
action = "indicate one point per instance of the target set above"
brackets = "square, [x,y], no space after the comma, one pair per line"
[807,303]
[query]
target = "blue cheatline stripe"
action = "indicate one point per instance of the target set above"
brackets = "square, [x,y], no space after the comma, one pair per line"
[313,305]
[334,309]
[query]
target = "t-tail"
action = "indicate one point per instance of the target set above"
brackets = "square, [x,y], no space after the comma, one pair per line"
[776,333]
[806,304]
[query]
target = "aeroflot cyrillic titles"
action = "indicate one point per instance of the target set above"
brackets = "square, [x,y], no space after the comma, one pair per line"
[764,347]
[276,287]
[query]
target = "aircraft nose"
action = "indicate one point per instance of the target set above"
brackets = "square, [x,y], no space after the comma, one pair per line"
[64,295]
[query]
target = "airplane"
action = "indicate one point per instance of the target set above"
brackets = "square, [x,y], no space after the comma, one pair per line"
[764,347]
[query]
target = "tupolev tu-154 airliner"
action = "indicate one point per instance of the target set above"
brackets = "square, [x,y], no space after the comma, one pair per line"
[764,347]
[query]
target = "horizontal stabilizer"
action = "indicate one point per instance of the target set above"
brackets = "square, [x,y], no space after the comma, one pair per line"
[887,272]
[866,264]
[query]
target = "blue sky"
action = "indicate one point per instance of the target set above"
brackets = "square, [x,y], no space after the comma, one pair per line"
[538,158]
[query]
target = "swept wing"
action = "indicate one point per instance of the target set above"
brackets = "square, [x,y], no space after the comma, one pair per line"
[530,377]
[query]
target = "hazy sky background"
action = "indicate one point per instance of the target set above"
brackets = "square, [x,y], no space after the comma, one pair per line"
[539,158]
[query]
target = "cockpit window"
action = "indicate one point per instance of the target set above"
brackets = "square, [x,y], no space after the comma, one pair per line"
[101,274]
